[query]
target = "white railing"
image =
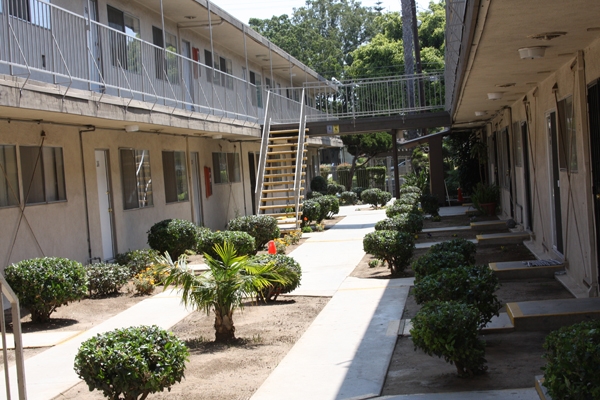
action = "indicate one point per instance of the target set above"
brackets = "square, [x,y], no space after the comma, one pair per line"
[18,340]
[46,43]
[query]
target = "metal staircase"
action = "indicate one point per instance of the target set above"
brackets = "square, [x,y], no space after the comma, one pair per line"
[282,171]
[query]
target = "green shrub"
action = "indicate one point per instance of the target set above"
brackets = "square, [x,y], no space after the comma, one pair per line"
[450,330]
[348,198]
[397,209]
[573,361]
[430,204]
[44,284]
[417,180]
[468,284]
[408,222]
[261,227]
[318,184]
[306,229]
[332,204]
[358,190]
[174,236]
[409,198]
[242,242]
[313,195]
[104,279]
[462,246]
[311,211]
[394,247]
[131,362]
[375,197]
[376,175]
[334,188]
[137,260]
[285,266]
[410,189]
[432,262]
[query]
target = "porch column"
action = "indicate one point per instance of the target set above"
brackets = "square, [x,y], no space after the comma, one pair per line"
[395,163]
[436,169]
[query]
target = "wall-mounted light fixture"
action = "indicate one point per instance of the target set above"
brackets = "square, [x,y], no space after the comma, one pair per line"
[480,113]
[495,95]
[217,137]
[132,128]
[529,53]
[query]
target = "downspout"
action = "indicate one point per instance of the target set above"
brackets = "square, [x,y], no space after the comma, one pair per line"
[85,196]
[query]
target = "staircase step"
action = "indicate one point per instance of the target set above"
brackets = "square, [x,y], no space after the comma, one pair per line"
[280,167]
[281,190]
[513,270]
[291,215]
[547,315]
[285,152]
[283,175]
[503,238]
[278,160]
[277,207]
[282,145]
[281,183]
[281,138]
[287,131]
[484,225]
[267,199]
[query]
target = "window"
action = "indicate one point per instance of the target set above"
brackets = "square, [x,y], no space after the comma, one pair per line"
[517,144]
[137,181]
[567,143]
[226,167]
[42,171]
[222,69]
[175,174]
[34,11]
[125,49]
[9,183]
[166,59]
[256,80]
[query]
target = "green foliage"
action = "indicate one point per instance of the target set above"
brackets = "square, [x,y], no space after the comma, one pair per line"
[450,330]
[394,247]
[318,184]
[462,246]
[358,190]
[131,362]
[376,175]
[230,280]
[419,180]
[306,229]
[470,284]
[399,208]
[404,189]
[313,195]
[261,227]
[334,188]
[407,222]
[376,197]
[465,159]
[174,236]
[348,198]
[286,267]
[409,198]
[311,211]
[243,243]
[328,207]
[44,284]
[137,260]
[430,204]
[104,279]
[325,170]
[483,194]
[432,262]
[573,361]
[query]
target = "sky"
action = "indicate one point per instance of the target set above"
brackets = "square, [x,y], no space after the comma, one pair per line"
[246,9]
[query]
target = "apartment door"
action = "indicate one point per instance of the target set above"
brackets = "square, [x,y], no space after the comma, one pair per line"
[196,187]
[555,182]
[507,172]
[105,205]
[93,42]
[253,167]
[594,111]
[188,81]
[527,177]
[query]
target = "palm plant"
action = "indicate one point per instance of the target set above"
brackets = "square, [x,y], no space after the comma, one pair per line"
[223,288]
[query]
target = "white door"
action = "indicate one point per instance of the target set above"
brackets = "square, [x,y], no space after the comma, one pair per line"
[105,205]
[196,187]
[188,89]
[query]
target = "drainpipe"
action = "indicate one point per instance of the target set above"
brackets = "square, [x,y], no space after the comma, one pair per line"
[85,197]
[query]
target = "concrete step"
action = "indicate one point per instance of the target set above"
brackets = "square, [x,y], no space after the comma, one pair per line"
[488,225]
[447,229]
[499,324]
[427,245]
[547,315]
[541,390]
[514,270]
[503,238]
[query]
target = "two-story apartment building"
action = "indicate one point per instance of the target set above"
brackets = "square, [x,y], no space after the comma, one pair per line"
[525,75]
[115,115]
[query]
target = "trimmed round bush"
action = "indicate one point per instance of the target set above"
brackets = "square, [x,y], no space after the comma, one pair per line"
[334,188]
[358,190]
[431,263]
[330,205]
[243,243]
[105,279]
[573,361]
[375,197]
[131,362]
[383,198]
[407,222]
[174,236]
[409,198]
[450,330]
[348,198]
[137,260]
[410,189]
[318,184]
[311,211]
[470,284]
[285,266]
[397,209]
[394,247]
[312,195]
[44,284]
[261,227]
[462,246]
[430,204]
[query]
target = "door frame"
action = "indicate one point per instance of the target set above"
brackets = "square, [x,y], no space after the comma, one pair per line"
[111,215]
[554,182]
[196,177]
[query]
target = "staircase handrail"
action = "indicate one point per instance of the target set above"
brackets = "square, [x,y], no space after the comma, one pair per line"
[299,158]
[18,339]
[262,161]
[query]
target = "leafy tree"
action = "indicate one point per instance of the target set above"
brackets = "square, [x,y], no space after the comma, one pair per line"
[223,288]
[365,145]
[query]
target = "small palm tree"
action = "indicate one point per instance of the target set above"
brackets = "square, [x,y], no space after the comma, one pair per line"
[223,288]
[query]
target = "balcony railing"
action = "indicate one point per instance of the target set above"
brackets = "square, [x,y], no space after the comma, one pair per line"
[46,43]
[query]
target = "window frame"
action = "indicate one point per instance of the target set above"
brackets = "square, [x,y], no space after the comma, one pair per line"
[149,200]
[172,181]
[567,135]
[226,167]
[123,45]
[48,174]
[9,177]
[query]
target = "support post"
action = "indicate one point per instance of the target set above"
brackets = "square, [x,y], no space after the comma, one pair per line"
[395,163]
[436,168]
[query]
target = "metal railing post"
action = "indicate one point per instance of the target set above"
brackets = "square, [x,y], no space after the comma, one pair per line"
[262,160]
